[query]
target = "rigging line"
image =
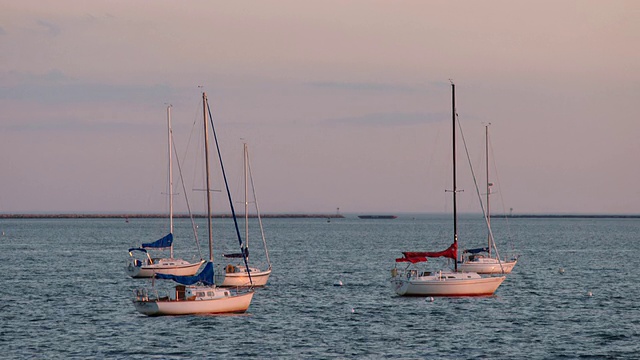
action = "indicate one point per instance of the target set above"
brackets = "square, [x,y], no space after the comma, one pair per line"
[255,200]
[194,128]
[475,182]
[186,198]
[233,212]
[504,209]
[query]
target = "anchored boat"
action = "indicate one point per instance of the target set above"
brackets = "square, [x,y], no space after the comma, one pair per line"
[412,281]
[197,294]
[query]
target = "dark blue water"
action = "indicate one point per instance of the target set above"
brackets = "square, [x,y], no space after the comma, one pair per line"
[64,293]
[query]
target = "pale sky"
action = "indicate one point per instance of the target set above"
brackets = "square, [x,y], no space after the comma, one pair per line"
[343,103]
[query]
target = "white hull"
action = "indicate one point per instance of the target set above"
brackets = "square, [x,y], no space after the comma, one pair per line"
[226,304]
[446,284]
[236,279]
[174,267]
[487,266]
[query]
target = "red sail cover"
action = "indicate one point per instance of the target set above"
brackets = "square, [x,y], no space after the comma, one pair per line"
[418,256]
[412,260]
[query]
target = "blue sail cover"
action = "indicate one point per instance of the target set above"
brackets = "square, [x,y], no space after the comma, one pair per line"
[475,251]
[138,249]
[244,253]
[164,242]
[205,276]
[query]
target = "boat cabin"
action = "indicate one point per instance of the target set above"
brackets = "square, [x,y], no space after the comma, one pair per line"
[188,293]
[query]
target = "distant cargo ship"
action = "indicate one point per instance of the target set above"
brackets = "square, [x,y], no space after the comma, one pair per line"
[377,216]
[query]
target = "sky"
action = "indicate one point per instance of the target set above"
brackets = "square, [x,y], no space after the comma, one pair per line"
[343,104]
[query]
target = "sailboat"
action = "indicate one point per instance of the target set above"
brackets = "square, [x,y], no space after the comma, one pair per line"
[412,281]
[475,259]
[196,294]
[237,274]
[145,266]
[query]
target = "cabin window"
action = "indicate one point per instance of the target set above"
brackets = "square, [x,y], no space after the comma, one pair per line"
[200,294]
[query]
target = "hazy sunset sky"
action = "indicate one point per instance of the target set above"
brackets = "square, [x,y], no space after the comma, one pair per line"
[343,103]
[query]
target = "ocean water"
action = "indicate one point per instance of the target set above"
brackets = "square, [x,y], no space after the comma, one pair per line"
[65,294]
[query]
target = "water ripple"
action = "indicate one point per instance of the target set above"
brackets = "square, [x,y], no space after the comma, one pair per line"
[65,295]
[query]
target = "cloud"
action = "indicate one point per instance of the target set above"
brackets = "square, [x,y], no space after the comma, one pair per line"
[67,125]
[390,119]
[57,87]
[53,76]
[52,29]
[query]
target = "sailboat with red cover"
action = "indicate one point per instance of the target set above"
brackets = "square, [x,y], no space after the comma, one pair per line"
[412,281]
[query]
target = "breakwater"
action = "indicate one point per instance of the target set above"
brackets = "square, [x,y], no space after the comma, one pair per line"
[153,216]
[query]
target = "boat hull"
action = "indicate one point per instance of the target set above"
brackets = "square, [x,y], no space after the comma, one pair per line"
[147,271]
[446,285]
[258,278]
[234,304]
[487,266]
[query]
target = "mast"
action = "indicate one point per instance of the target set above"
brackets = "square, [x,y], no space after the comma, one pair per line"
[486,148]
[455,189]
[206,160]
[246,202]
[170,176]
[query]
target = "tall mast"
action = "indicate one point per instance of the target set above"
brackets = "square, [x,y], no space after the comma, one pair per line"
[486,148]
[455,189]
[206,161]
[246,201]
[170,176]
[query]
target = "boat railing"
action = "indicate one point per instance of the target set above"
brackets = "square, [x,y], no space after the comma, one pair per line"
[411,273]
[144,294]
[408,273]
[141,294]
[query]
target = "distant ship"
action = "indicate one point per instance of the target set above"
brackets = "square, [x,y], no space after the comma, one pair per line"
[377,216]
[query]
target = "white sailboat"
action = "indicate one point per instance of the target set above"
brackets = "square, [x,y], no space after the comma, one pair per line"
[196,294]
[486,260]
[236,274]
[412,281]
[145,266]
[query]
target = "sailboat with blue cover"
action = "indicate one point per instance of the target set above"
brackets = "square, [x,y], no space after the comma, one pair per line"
[197,294]
[140,263]
[486,260]
[236,274]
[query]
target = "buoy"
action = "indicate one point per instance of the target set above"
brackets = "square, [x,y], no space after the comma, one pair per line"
[353,311]
[561,270]
[337,283]
[430,299]
[589,294]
